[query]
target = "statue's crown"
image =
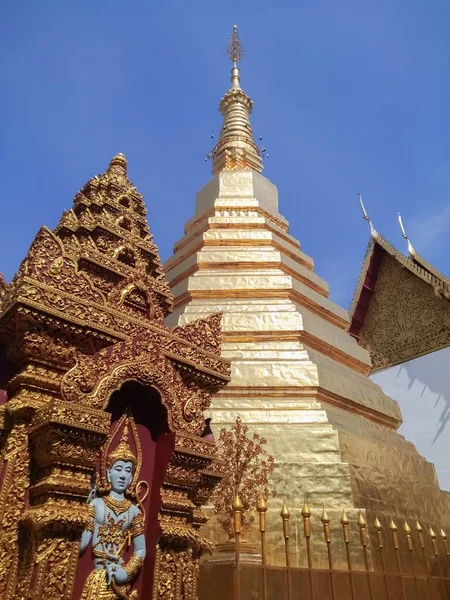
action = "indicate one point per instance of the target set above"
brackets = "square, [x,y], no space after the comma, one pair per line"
[122,452]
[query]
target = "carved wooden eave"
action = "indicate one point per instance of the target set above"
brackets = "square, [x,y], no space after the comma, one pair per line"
[400,309]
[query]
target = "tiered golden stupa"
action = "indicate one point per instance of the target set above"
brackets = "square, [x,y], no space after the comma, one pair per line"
[298,376]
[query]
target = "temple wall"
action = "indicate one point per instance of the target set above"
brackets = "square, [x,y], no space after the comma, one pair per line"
[422,388]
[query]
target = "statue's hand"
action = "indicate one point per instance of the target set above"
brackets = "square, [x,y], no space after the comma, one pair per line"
[116,571]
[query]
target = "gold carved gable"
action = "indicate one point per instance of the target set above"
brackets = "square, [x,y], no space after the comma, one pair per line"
[47,264]
[406,318]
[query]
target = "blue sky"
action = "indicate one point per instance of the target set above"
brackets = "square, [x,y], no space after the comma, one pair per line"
[350,96]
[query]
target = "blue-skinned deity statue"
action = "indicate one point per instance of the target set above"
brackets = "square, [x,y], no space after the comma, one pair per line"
[116,522]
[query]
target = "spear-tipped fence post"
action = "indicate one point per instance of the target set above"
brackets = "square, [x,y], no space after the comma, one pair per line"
[326,532]
[237,521]
[419,530]
[306,516]
[345,522]
[443,537]
[362,524]
[407,532]
[440,569]
[379,529]
[394,532]
[285,516]
[262,511]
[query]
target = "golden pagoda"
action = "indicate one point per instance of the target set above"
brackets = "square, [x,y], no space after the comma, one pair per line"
[298,376]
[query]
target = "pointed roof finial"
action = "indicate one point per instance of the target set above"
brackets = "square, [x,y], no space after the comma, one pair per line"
[118,165]
[373,231]
[411,249]
[235,50]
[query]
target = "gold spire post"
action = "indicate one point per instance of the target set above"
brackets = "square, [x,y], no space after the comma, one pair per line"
[362,524]
[440,569]
[407,532]
[236,148]
[346,532]
[326,532]
[285,516]
[419,530]
[237,522]
[262,510]
[379,528]
[306,516]
[394,532]
[444,543]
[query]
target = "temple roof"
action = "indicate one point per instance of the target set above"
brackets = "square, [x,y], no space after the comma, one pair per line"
[400,308]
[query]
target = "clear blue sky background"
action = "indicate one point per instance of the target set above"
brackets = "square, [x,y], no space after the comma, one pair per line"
[350,96]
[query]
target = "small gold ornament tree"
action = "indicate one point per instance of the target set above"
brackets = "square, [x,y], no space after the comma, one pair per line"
[248,467]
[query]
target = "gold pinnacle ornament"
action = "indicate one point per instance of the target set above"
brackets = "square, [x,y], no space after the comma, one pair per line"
[235,49]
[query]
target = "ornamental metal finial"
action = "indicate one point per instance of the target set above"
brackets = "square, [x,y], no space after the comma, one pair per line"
[373,231]
[411,249]
[235,50]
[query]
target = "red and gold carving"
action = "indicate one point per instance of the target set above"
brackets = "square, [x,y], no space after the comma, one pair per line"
[83,316]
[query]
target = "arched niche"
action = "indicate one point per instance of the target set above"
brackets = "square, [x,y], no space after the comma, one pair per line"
[137,300]
[126,256]
[124,223]
[157,443]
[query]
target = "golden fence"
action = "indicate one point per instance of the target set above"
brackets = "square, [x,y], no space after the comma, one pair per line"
[415,565]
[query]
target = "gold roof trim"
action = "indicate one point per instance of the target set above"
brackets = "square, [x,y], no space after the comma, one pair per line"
[417,265]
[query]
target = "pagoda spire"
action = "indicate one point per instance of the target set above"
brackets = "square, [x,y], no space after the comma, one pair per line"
[236,148]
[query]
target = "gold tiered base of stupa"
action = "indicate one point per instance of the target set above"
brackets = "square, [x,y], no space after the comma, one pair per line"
[298,377]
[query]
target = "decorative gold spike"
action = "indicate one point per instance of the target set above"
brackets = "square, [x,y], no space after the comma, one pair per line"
[394,529]
[306,514]
[324,518]
[361,520]
[237,504]
[345,521]
[444,541]
[326,528]
[407,531]
[306,511]
[419,530]
[362,524]
[285,514]
[378,526]
[261,506]
[262,510]
[433,537]
[344,518]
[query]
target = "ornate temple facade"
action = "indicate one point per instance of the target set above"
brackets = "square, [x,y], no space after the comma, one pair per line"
[107,362]
[83,343]
[401,315]
[400,310]
[299,377]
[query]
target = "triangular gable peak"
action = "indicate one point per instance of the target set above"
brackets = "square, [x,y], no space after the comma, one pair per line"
[400,308]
